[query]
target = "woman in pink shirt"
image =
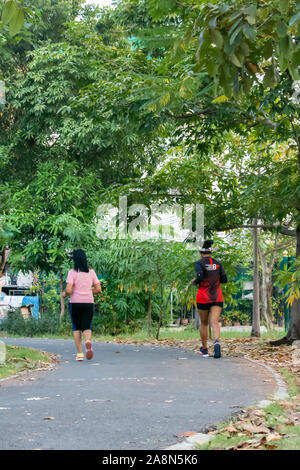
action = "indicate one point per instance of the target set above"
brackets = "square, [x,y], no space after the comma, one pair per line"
[82,284]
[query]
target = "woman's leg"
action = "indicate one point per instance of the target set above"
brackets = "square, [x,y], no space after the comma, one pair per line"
[87,329]
[203,327]
[214,315]
[87,335]
[77,339]
[88,344]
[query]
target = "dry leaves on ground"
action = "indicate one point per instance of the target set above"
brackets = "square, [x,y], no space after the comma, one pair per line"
[186,434]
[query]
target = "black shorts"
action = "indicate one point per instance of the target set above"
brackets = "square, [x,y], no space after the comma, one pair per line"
[81,316]
[210,304]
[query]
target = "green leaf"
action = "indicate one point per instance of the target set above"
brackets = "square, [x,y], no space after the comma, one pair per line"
[235,60]
[234,35]
[16,23]
[235,25]
[251,19]
[281,29]
[283,6]
[212,67]
[296,58]
[269,79]
[247,83]
[251,11]
[294,72]
[9,11]
[284,44]
[268,49]
[249,32]
[217,38]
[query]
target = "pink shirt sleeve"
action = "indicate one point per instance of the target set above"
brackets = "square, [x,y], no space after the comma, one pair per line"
[70,278]
[94,278]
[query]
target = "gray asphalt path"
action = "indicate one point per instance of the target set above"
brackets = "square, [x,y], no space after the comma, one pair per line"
[126,398]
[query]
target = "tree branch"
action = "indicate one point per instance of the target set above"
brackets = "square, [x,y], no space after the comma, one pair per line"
[191,115]
[283,230]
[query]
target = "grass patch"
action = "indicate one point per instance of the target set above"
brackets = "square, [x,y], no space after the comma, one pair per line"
[291,443]
[19,359]
[183,334]
[275,419]
[187,333]
[281,417]
[291,380]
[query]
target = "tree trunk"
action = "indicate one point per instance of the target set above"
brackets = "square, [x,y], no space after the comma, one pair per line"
[197,321]
[62,300]
[265,279]
[149,313]
[294,328]
[3,261]
[256,310]
[269,295]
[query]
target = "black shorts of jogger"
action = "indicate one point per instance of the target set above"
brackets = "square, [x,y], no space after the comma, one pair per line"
[81,316]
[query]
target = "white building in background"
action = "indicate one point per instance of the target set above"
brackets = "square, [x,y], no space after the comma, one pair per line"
[16,282]
[14,293]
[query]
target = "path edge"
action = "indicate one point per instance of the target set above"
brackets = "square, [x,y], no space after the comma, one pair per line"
[202,438]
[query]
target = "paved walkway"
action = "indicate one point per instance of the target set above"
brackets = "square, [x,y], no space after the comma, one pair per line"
[127,397]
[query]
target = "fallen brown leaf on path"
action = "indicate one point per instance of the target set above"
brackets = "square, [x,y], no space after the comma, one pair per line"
[231,429]
[287,404]
[252,428]
[243,445]
[186,434]
[274,437]
[270,446]
[295,418]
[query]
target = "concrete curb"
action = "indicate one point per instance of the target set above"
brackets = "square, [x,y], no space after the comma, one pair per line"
[190,442]
[282,391]
[201,438]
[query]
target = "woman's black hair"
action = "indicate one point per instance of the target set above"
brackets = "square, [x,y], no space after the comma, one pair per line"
[206,248]
[80,261]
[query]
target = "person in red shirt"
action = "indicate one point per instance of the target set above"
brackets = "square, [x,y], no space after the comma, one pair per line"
[209,274]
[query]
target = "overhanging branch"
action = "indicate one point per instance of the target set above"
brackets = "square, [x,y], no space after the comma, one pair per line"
[283,230]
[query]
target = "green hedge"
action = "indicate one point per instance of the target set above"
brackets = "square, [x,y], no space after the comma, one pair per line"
[46,324]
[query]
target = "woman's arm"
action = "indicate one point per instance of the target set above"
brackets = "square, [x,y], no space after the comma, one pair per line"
[223,277]
[68,290]
[199,274]
[97,288]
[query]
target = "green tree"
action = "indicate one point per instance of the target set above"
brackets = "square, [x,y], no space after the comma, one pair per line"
[233,68]
[49,218]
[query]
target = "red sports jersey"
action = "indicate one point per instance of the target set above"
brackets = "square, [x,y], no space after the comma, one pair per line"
[209,275]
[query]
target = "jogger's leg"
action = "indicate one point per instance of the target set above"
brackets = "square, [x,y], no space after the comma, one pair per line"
[78,339]
[214,315]
[88,344]
[87,335]
[203,327]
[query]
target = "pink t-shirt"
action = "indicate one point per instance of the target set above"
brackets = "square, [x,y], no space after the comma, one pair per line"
[82,286]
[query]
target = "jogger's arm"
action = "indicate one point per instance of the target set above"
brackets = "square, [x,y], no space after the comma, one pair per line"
[97,289]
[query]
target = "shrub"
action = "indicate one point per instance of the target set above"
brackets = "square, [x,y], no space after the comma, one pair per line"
[48,323]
